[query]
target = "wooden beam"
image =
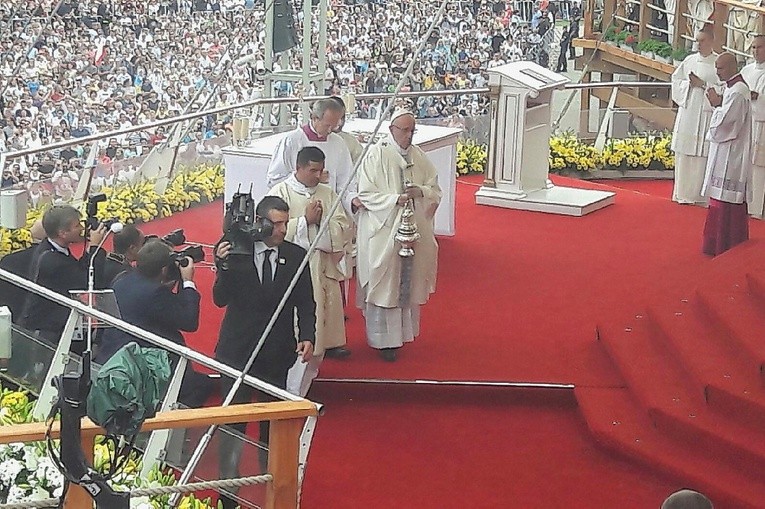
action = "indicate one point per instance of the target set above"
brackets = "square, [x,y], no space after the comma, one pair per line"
[186,418]
[739,5]
[283,457]
[681,7]
[663,117]
[720,17]
[626,58]
[588,20]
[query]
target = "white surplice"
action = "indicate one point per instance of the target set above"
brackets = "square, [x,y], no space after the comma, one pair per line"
[381,181]
[691,124]
[754,75]
[325,273]
[729,167]
[338,162]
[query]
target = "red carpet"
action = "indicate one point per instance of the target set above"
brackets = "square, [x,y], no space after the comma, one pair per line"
[519,297]
[660,188]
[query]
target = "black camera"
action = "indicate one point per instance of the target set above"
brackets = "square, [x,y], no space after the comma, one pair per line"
[175,238]
[240,228]
[91,210]
[196,253]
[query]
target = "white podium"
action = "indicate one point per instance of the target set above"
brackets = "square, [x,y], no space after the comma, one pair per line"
[519,146]
[246,166]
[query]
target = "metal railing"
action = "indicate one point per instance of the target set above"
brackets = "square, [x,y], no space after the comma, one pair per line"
[147,336]
[293,100]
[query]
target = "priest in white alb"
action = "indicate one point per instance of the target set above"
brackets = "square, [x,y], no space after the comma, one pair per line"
[689,81]
[310,202]
[729,169]
[754,75]
[393,173]
[354,147]
[318,132]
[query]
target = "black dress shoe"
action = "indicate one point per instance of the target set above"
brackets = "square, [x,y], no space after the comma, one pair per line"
[339,352]
[388,354]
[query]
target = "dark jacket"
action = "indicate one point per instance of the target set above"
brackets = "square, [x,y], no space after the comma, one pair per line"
[11,295]
[249,308]
[115,265]
[147,304]
[61,273]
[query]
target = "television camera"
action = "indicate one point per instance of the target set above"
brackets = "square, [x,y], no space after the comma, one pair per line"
[240,226]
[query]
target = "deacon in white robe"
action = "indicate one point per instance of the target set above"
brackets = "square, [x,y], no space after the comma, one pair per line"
[729,169]
[325,116]
[310,202]
[754,75]
[393,172]
[689,81]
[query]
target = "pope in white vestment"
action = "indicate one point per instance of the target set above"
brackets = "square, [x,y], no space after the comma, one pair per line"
[385,171]
[300,190]
[689,81]
[728,177]
[325,117]
[754,75]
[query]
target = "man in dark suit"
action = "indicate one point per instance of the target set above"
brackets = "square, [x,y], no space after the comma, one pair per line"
[55,267]
[18,263]
[146,299]
[126,244]
[250,289]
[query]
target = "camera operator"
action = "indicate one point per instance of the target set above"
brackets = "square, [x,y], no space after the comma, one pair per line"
[146,299]
[126,245]
[250,289]
[55,267]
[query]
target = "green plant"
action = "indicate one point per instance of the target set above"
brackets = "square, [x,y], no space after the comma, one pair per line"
[611,33]
[648,45]
[663,50]
[680,54]
[621,37]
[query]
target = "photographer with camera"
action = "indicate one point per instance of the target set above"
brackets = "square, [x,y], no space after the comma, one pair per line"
[252,277]
[145,298]
[55,267]
[126,245]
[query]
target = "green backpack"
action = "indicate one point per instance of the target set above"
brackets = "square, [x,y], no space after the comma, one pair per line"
[128,389]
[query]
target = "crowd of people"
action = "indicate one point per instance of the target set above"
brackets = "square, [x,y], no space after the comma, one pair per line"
[97,66]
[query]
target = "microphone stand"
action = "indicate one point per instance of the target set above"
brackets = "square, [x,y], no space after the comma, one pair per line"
[73,390]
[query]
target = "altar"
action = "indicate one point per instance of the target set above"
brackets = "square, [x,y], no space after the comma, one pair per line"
[247,166]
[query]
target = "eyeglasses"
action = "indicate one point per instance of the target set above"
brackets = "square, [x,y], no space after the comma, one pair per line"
[412,130]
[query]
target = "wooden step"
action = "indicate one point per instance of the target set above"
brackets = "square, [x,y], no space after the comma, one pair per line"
[727,376]
[614,418]
[662,387]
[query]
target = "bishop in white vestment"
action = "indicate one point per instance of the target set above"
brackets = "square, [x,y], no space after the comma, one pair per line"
[392,173]
[754,75]
[310,202]
[689,81]
[325,116]
[729,168]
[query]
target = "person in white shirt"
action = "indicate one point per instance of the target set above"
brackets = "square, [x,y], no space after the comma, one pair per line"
[689,81]
[727,182]
[754,75]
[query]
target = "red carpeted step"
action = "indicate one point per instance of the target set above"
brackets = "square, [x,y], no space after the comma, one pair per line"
[756,282]
[661,385]
[614,418]
[738,315]
[728,378]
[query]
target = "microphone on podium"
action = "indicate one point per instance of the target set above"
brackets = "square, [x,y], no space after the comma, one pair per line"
[114,227]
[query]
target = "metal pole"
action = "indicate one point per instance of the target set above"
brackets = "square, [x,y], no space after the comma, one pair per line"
[150,337]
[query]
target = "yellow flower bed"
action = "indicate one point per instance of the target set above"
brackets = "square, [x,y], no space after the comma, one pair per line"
[647,152]
[136,203]
[471,157]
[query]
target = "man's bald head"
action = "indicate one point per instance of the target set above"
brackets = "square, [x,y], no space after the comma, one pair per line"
[726,66]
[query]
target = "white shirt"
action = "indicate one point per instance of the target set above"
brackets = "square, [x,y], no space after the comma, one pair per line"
[260,249]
